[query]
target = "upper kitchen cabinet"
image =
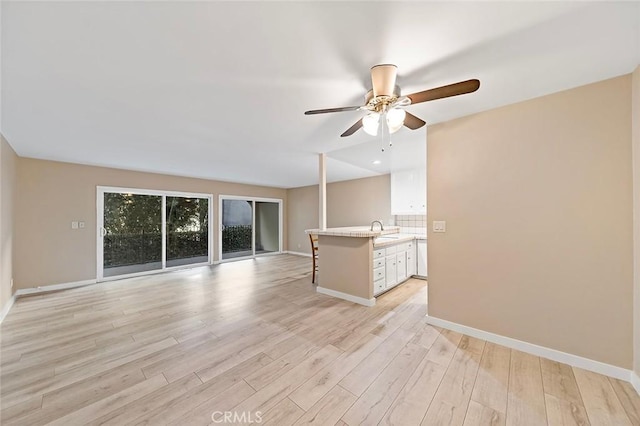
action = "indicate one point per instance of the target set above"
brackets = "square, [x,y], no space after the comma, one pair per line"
[409,192]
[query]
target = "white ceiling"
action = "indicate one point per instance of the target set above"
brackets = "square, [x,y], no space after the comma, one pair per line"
[217,90]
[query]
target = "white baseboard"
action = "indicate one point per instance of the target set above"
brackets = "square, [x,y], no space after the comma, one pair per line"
[7,307]
[541,351]
[54,287]
[635,381]
[345,296]
[298,253]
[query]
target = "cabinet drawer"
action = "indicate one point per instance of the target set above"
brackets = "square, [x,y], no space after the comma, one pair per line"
[391,250]
[378,274]
[378,286]
[378,254]
[378,263]
[405,246]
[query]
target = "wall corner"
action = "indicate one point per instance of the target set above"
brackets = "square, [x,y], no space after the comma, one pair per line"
[635,150]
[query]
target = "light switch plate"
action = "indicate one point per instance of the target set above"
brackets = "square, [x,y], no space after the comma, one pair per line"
[439,226]
[74,224]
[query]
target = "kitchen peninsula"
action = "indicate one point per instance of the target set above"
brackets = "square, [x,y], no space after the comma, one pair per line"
[357,263]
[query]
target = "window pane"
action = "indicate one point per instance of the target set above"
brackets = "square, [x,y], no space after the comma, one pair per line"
[133,233]
[237,219]
[267,227]
[187,230]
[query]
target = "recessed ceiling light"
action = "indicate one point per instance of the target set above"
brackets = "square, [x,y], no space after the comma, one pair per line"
[376,162]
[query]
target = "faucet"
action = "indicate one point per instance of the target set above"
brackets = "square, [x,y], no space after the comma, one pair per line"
[377,221]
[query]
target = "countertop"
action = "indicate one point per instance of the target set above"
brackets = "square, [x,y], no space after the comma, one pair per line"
[355,231]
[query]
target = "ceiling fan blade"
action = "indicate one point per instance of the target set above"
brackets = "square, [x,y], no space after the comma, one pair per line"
[455,89]
[351,130]
[383,79]
[413,122]
[324,111]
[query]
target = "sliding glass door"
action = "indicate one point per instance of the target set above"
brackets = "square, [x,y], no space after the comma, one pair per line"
[249,227]
[141,231]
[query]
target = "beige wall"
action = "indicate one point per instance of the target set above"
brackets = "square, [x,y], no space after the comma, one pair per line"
[352,202]
[52,194]
[635,109]
[538,202]
[359,201]
[302,213]
[8,161]
[346,265]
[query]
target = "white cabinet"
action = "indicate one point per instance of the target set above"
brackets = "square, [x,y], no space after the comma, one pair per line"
[422,258]
[391,278]
[401,266]
[393,265]
[409,192]
[411,259]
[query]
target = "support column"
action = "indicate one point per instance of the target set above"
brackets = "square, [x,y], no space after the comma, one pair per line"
[322,185]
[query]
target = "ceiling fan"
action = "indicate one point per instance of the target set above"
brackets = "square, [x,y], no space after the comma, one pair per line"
[384,101]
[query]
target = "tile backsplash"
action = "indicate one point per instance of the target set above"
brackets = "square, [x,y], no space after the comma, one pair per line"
[411,224]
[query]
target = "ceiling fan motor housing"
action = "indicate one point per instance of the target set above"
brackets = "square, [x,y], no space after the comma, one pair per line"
[383,79]
[379,103]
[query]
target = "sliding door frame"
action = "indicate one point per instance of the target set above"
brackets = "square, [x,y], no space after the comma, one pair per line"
[101,190]
[253,201]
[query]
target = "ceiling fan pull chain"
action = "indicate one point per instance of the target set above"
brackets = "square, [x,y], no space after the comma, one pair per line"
[385,131]
[382,132]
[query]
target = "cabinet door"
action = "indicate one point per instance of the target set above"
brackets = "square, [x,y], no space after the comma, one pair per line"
[401,266]
[422,258]
[411,260]
[409,191]
[390,272]
[421,192]
[401,192]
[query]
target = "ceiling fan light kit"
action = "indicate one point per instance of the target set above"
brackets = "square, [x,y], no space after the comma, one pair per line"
[384,100]
[394,119]
[370,123]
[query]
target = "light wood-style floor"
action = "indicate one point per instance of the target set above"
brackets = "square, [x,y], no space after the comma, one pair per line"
[253,338]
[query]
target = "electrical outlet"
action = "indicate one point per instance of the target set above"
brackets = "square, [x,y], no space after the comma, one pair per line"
[298,245]
[81,225]
[439,226]
[74,224]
